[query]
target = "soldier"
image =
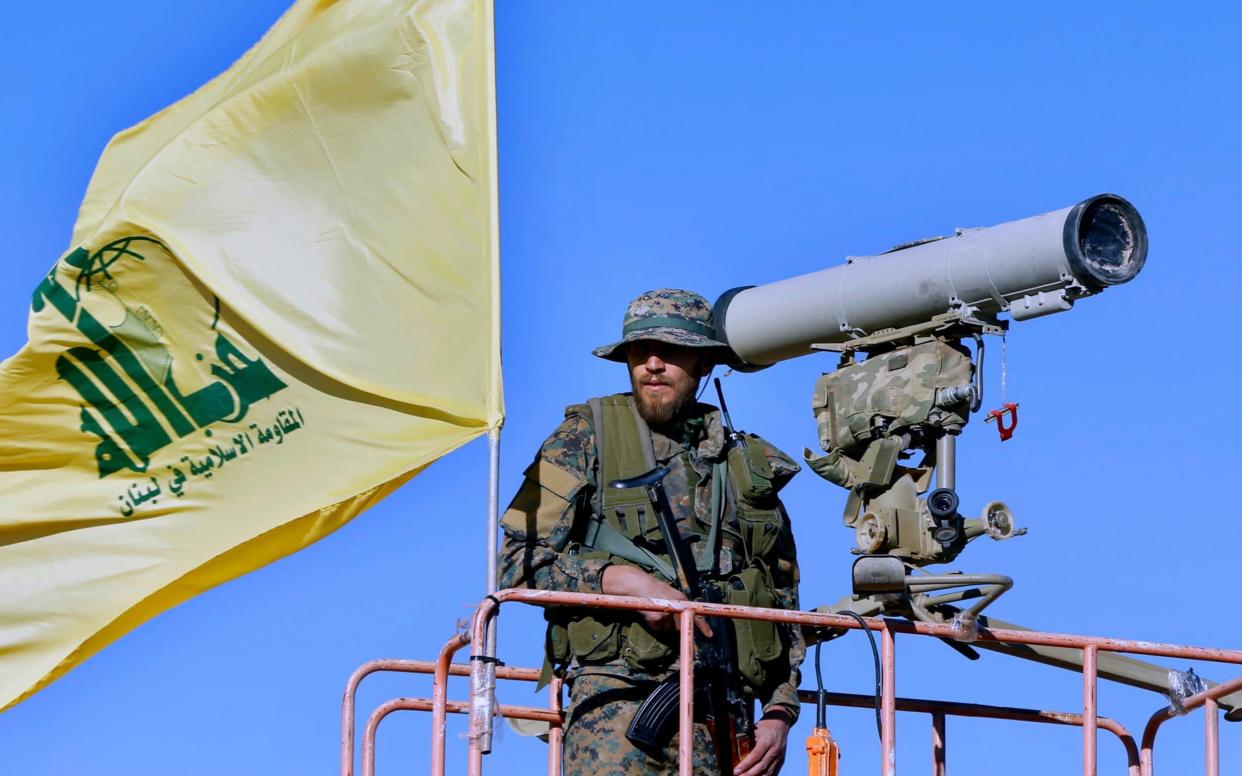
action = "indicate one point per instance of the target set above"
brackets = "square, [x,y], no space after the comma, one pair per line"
[566,531]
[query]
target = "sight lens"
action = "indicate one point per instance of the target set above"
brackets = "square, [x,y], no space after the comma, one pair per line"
[942,502]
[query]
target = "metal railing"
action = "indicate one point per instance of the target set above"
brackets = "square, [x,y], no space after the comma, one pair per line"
[1139,761]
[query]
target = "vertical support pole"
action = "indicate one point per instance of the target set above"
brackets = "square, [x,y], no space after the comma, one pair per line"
[888,703]
[482,696]
[1089,713]
[480,713]
[493,527]
[939,766]
[347,729]
[946,462]
[685,738]
[1146,758]
[368,746]
[555,732]
[439,700]
[1212,722]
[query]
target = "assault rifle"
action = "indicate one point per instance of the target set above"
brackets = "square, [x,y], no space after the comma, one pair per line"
[728,710]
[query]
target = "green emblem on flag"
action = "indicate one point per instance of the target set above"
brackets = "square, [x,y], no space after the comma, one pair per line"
[125,376]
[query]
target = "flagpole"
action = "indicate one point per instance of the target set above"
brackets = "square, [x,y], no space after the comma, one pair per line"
[493,525]
[493,507]
[488,690]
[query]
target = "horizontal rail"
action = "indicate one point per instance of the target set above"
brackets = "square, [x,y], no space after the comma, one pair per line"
[826,620]
[857,701]
[984,711]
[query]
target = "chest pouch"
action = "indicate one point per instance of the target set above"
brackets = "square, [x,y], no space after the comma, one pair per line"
[754,491]
[759,644]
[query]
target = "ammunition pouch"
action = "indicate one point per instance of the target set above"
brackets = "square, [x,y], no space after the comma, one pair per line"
[757,509]
[597,636]
[593,639]
[601,637]
[556,651]
[751,474]
[758,642]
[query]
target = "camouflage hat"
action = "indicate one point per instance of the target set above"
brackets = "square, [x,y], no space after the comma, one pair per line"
[667,315]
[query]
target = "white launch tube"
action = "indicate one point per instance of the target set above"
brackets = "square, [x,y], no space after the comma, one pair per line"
[1028,268]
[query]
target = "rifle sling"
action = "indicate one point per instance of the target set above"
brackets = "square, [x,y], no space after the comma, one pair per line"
[603,537]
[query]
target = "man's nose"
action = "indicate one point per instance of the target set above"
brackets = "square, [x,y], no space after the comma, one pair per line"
[654,363]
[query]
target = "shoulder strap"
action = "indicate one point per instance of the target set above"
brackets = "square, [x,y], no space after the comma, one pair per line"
[622,449]
[644,437]
[622,446]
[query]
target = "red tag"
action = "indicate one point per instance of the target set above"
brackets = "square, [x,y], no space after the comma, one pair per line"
[1008,411]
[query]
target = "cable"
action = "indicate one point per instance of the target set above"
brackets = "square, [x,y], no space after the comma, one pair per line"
[704,380]
[821,719]
[875,656]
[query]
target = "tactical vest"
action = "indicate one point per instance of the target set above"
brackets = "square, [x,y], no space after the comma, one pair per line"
[622,528]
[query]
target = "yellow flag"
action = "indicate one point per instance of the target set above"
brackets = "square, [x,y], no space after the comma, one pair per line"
[280,303]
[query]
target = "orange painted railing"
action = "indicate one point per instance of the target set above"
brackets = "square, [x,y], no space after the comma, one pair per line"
[1139,762]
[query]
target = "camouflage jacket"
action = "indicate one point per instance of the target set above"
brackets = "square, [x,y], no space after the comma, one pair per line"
[554,500]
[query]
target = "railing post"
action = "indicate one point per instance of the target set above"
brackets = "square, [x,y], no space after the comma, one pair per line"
[1089,714]
[888,704]
[439,700]
[685,739]
[939,765]
[1212,723]
[482,695]
[555,732]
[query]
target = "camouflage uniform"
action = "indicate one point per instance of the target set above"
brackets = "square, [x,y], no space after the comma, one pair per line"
[542,527]
[595,742]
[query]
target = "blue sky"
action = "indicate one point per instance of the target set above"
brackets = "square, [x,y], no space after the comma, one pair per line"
[710,145]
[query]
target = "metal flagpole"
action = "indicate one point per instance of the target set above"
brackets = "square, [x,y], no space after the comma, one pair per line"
[493,505]
[483,698]
[493,526]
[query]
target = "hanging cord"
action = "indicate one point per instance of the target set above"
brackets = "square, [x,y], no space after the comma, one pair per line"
[704,381]
[1004,369]
[820,696]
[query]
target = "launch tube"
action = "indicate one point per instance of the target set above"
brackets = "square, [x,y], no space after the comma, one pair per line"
[1027,268]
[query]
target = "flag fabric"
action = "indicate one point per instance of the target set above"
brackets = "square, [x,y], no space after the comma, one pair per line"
[280,303]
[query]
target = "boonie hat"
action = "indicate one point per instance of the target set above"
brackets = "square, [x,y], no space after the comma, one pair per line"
[668,315]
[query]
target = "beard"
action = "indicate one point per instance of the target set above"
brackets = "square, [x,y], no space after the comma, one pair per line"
[660,410]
